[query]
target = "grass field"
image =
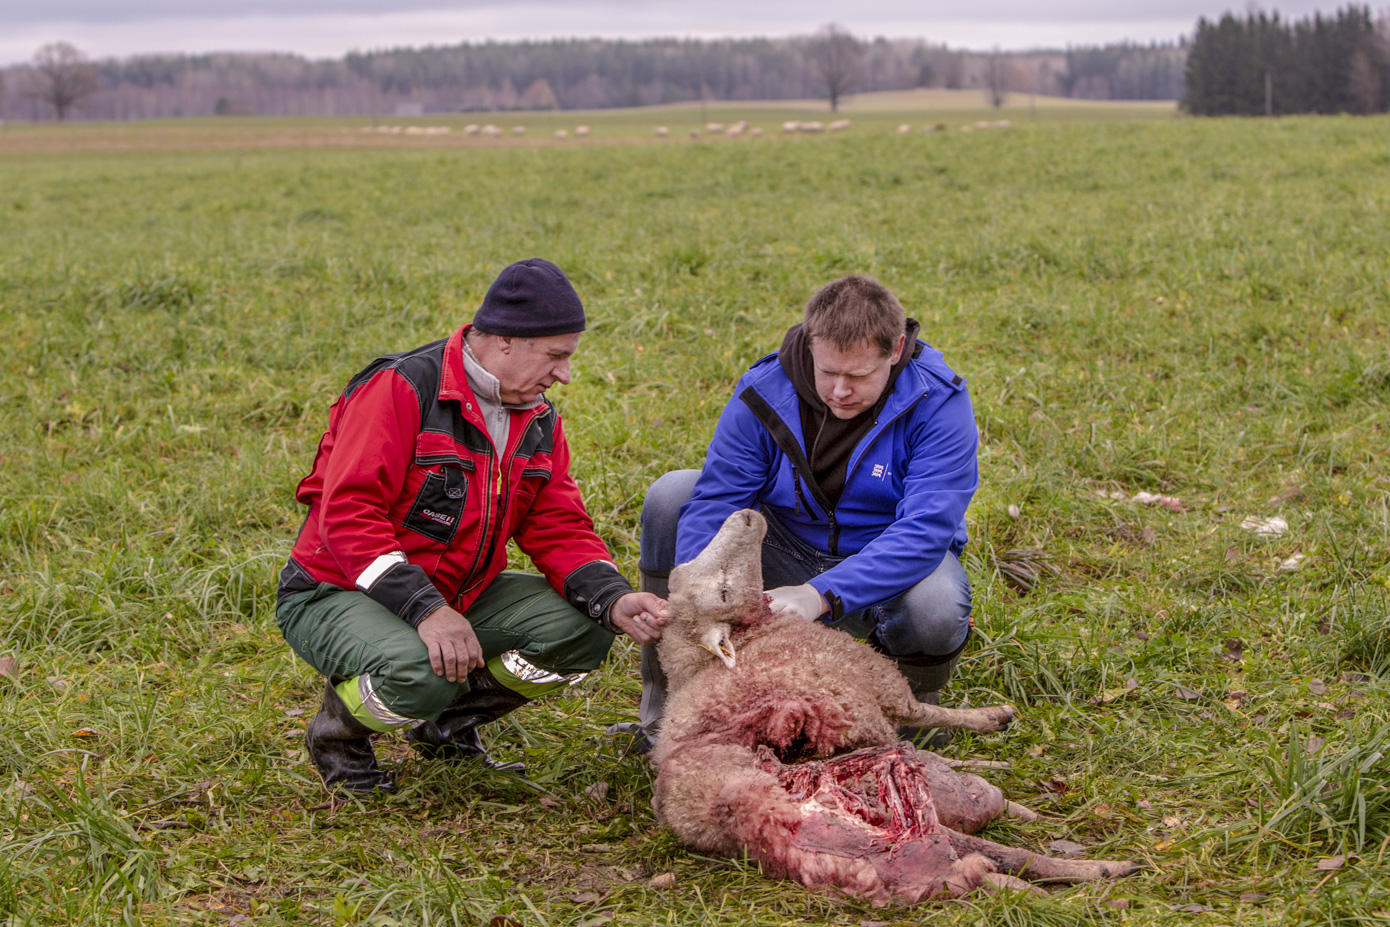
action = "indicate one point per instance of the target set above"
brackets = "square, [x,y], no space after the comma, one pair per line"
[1197,310]
[870,113]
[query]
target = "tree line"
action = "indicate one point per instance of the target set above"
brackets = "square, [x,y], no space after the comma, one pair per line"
[566,74]
[1263,65]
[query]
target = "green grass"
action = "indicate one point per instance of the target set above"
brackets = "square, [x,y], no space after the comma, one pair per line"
[1192,309]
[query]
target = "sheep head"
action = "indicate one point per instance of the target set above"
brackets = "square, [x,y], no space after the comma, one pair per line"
[718,591]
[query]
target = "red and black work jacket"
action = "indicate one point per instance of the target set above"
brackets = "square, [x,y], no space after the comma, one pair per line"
[410,502]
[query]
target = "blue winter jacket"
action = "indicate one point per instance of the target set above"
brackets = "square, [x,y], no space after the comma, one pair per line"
[906,488]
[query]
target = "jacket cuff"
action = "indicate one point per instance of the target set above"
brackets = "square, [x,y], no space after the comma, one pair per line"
[402,587]
[594,587]
[837,605]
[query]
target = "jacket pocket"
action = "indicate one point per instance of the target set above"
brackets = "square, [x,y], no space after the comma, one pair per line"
[438,506]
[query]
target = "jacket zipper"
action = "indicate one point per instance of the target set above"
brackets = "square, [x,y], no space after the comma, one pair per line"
[491,530]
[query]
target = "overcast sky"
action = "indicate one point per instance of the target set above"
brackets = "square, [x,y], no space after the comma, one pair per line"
[329,28]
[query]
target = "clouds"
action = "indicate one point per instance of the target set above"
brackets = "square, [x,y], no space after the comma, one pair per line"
[329,28]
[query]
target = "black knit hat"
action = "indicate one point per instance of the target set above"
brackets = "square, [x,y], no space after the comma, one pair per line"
[530,299]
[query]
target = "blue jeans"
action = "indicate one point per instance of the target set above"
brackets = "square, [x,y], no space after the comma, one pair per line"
[930,619]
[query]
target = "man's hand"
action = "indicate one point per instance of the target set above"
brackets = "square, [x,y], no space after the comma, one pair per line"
[639,615]
[454,648]
[804,601]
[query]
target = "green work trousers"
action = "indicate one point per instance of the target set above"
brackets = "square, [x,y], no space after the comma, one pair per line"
[533,640]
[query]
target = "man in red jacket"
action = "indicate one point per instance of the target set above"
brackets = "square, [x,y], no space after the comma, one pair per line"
[396,589]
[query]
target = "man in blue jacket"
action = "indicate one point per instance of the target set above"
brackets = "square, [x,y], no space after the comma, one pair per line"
[858,444]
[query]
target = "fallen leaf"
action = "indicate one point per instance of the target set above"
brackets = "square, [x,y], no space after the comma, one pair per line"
[1331,862]
[1254,897]
[1055,785]
[1140,635]
[1015,511]
[1271,527]
[1186,694]
[1317,686]
[598,791]
[662,882]
[1346,714]
[1354,677]
[1314,745]
[8,665]
[874,923]
[1293,493]
[1235,649]
[585,897]
[1290,564]
[85,732]
[1120,903]
[293,712]
[1066,849]
[1172,821]
[1195,908]
[1143,804]
[548,802]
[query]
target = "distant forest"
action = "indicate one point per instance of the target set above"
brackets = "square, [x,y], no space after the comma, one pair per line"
[575,74]
[1262,65]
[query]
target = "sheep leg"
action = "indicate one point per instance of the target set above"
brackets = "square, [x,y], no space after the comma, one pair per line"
[994,718]
[1032,866]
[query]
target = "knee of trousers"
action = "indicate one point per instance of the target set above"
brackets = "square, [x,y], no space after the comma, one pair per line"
[660,511]
[411,689]
[932,617]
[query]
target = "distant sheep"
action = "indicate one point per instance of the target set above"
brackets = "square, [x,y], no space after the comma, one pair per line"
[518,130]
[662,131]
[471,129]
[904,129]
[714,127]
[812,127]
[792,126]
[1002,124]
[581,131]
[755,132]
[490,131]
[839,125]
[561,133]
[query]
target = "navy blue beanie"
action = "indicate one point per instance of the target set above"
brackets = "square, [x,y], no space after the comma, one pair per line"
[530,299]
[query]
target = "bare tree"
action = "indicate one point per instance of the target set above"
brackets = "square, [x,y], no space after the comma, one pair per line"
[997,79]
[834,54]
[63,76]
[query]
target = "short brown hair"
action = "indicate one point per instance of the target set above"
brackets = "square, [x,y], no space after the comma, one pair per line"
[855,310]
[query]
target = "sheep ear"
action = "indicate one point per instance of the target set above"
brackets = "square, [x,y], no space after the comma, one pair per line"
[717,641]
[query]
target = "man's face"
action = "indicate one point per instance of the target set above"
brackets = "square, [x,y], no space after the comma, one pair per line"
[850,382]
[527,367]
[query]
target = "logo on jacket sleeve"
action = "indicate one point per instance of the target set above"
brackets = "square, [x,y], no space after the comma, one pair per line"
[438,517]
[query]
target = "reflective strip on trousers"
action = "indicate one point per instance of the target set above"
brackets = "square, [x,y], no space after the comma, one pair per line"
[515,672]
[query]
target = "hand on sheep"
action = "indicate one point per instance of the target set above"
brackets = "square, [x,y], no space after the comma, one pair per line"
[639,615]
[453,647]
[804,601]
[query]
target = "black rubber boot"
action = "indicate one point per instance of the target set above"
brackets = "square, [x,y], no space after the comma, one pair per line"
[341,748]
[644,730]
[455,735]
[927,681]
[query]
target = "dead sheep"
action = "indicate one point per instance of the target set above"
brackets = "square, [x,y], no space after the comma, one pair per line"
[780,743]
